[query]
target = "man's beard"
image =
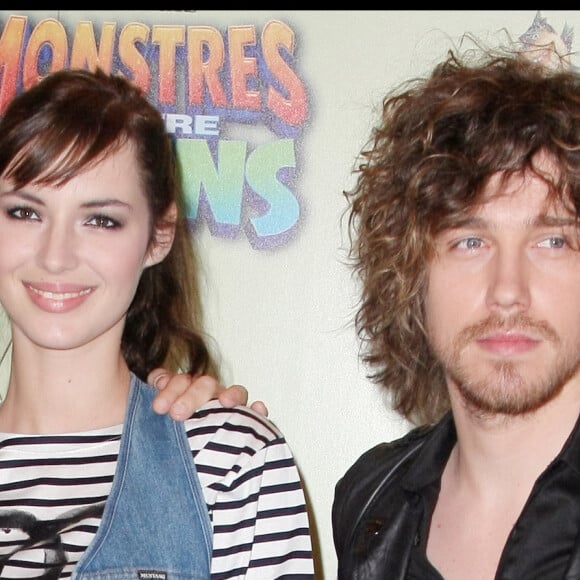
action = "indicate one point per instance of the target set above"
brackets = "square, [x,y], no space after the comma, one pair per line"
[505,390]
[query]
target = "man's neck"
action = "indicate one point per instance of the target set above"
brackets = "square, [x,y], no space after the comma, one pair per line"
[488,479]
[507,452]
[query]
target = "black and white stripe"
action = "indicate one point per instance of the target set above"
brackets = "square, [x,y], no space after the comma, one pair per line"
[248,474]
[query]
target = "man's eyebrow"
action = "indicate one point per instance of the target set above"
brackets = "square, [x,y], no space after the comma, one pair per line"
[475,221]
[554,220]
[468,221]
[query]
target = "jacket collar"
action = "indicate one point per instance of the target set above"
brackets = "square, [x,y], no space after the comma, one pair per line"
[571,450]
[428,465]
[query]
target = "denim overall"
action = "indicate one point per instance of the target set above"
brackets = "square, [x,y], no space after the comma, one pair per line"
[155,524]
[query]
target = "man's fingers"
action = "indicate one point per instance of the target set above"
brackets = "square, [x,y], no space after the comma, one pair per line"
[158,378]
[181,395]
[234,395]
[259,407]
[238,395]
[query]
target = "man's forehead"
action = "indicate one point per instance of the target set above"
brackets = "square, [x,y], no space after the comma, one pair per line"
[521,192]
[531,205]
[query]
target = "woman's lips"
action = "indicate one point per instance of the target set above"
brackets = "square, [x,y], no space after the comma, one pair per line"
[58,298]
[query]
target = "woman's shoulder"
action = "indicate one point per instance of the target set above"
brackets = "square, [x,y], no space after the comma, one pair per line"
[240,424]
[235,448]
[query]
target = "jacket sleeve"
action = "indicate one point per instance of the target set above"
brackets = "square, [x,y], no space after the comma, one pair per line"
[353,491]
[373,517]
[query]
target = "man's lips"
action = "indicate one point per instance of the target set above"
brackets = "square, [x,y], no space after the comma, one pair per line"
[508,343]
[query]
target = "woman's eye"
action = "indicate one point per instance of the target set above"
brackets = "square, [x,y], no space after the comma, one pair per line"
[103,221]
[23,213]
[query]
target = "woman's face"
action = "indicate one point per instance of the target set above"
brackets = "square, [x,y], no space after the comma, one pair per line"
[71,257]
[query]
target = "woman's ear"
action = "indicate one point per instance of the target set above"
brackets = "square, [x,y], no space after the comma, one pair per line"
[162,238]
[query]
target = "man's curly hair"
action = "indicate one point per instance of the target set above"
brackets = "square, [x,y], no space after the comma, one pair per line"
[438,142]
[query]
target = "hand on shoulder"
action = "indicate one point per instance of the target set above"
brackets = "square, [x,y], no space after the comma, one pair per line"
[181,395]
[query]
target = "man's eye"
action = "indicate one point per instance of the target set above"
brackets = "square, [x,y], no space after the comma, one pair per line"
[103,221]
[555,242]
[470,243]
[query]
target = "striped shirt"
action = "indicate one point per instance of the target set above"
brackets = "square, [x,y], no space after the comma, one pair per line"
[53,489]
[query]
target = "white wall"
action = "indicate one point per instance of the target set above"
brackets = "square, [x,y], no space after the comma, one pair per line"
[283,318]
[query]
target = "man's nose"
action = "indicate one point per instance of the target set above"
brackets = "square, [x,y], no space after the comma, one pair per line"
[509,281]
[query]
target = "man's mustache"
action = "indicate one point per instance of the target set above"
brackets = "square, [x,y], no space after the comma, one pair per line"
[523,323]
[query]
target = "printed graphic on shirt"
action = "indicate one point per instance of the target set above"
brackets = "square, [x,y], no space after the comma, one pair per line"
[20,531]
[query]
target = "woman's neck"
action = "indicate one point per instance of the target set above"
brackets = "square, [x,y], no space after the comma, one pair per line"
[64,391]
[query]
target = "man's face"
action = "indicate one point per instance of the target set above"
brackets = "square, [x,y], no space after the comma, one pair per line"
[503,300]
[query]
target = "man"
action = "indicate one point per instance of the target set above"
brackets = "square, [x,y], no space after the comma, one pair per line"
[465,223]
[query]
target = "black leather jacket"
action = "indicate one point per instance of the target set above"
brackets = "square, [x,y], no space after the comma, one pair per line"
[387,497]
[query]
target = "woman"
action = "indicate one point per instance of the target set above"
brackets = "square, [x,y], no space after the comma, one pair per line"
[97,279]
